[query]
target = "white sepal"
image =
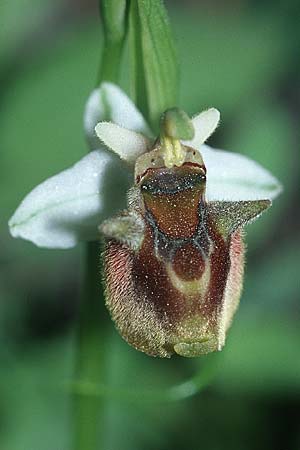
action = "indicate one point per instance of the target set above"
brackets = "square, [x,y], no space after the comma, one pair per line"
[232,176]
[69,206]
[110,103]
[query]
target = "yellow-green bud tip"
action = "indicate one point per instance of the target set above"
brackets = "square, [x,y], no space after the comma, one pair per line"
[176,124]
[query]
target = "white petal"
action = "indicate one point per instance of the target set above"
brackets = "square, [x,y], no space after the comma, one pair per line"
[128,144]
[69,206]
[205,124]
[232,176]
[109,102]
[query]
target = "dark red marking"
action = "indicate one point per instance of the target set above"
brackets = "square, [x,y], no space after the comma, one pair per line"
[150,279]
[188,263]
[220,266]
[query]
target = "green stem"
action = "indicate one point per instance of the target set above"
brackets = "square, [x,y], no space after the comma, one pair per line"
[113,13]
[111,56]
[139,92]
[89,353]
[153,60]
[90,358]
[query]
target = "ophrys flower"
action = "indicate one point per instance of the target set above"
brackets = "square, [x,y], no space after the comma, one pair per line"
[174,258]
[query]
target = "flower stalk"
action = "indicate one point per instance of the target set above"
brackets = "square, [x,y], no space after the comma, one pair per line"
[89,366]
[92,315]
[154,70]
[113,13]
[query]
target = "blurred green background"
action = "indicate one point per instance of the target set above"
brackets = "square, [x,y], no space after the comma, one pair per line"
[239,56]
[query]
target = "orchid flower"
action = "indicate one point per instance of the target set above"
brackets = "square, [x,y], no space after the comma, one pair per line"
[68,207]
[174,259]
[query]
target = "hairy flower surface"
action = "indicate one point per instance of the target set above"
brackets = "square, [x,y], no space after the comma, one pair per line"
[174,258]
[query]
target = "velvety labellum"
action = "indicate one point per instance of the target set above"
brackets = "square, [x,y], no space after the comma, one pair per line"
[174,263]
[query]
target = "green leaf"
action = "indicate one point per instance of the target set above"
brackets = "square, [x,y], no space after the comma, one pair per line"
[113,12]
[153,59]
[114,23]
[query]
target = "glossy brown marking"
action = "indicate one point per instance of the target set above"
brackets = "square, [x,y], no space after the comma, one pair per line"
[176,215]
[172,197]
[188,262]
